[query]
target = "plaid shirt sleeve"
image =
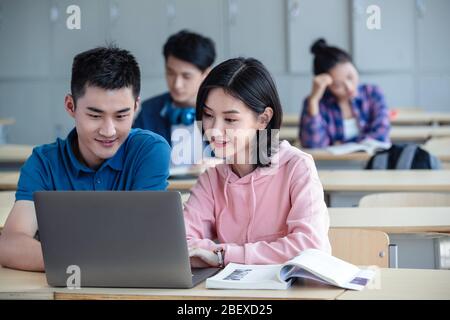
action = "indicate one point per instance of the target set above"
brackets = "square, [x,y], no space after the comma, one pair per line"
[313,129]
[379,123]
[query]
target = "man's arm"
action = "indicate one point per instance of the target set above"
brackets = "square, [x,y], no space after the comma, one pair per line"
[18,248]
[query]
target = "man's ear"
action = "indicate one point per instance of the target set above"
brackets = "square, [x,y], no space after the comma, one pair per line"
[69,104]
[137,104]
[265,117]
[137,107]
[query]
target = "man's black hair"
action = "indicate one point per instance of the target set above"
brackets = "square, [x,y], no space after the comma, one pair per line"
[107,68]
[191,47]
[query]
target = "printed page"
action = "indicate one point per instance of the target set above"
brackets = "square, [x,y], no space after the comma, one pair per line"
[241,276]
[361,280]
[292,272]
[325,266]
[375,145]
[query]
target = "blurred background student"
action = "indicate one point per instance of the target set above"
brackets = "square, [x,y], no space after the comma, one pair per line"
[339,109]
[188,59]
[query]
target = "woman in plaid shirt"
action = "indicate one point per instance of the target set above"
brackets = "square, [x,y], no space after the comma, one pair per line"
[340,110]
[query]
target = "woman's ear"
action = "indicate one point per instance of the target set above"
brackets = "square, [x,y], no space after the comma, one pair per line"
[265,117]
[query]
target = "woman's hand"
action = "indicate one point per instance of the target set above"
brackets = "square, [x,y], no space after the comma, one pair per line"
[201,258]
[320,83]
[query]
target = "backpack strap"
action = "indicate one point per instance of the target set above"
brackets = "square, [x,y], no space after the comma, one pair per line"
[406,157]
[435,163]
[380,161]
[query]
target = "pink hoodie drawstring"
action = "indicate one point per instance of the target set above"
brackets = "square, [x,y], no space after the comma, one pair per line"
[253,211]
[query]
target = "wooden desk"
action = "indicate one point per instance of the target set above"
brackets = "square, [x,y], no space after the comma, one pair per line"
[296,292]
[388,284]
[181,184]
[344,188]
[401,118]
[405,284]
[420,118]
[8,180]
[291,120]
[367,180]
[418,133]
[16,284]
[29,285]
[440,147]
[6,121]
[385,180]
[6,203]
[289,133]
[398,133]
[14,153]
[324,155]
[393,220]
[332,180]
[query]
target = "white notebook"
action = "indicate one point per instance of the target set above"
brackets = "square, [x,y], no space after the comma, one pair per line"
[370,146]
[311,264]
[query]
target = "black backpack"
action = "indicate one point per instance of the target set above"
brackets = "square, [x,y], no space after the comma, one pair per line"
[403,157]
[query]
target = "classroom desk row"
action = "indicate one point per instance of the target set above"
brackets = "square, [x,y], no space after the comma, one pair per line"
[324,155]
[14,153]
[366,181]
[332,180]
[13,156]
[7,121]
[389,220]
[9,180]
[402,118]
[344,188]
[417,134]
[393,284]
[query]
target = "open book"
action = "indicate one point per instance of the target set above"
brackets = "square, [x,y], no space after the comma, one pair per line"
[371,146]
[311,264]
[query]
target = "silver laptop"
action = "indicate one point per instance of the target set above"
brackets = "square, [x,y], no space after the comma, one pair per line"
[131,239]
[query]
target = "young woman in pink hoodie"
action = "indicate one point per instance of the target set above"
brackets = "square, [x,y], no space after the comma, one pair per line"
[265,204]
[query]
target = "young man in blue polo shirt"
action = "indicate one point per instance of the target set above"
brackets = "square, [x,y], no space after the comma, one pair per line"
[102,152]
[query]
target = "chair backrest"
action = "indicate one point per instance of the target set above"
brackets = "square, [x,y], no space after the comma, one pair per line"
[7,199]
[405,199]
[360,247]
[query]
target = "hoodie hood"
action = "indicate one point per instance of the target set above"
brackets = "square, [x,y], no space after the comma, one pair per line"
[285,153]
[261,175]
